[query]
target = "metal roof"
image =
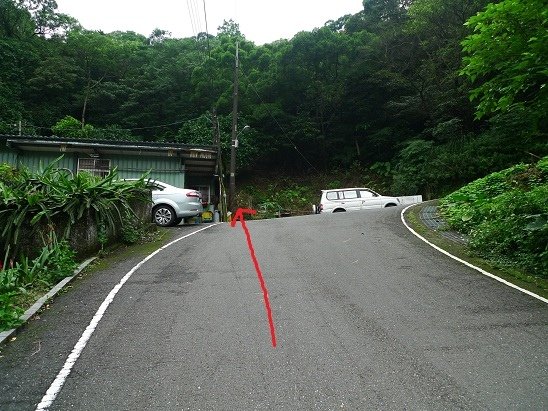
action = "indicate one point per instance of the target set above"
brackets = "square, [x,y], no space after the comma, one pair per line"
[198,159]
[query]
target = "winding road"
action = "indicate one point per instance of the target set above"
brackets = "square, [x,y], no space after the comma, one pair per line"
[366,315]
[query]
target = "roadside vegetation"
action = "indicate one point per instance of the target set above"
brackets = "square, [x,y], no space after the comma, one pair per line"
[505,215]
[433,93]
[294,194]
[42,219]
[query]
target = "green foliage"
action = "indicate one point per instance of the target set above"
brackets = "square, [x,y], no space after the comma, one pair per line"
[16,20]
[278,197]
[411,173]
[200,131]
[506,216]
[8,173]
[368,87]
[47,202]
[111,132]
[506,56]
[515,230]
[463,208]
[37,199]
[102,233]
[132,231]
[9,312]
[70,127]
[55,262]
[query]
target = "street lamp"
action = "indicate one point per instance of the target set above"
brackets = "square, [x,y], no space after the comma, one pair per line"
[232,187]
[236,141]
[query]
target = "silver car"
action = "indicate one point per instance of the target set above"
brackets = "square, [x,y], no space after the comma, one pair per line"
[171,204]
[353,199]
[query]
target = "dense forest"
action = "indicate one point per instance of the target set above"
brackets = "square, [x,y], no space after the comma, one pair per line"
[430,94]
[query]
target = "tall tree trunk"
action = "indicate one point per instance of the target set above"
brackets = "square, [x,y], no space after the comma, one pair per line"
[89,88]
[85,107]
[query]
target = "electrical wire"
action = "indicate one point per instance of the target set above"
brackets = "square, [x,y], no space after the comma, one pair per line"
[125,129]
[191,16]
[207,31]
[278,124]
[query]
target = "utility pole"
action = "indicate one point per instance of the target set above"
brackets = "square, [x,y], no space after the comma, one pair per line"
[219,171]
[232,187]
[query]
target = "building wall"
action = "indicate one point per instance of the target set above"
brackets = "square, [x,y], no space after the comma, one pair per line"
[6,156]
[36,160]
[166,169]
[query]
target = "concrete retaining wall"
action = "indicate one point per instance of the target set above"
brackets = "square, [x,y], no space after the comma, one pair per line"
[406,200]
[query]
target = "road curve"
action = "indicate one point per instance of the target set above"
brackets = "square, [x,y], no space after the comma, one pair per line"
[366,315]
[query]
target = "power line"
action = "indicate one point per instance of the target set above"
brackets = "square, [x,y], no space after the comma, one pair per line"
[158,126]
[278,124]
[121,128]
[192,15]
[207,31]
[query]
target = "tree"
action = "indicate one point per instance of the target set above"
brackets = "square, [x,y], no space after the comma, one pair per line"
[100,61]
[47,22]
[14,21]
[158,36]
[230,29]
[506,57]
[72,128]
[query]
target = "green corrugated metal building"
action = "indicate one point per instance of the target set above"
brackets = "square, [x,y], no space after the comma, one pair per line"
[181,165]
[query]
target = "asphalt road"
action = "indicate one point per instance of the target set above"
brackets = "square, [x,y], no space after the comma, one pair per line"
[366,315]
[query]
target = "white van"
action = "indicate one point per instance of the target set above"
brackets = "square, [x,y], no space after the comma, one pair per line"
[353,199]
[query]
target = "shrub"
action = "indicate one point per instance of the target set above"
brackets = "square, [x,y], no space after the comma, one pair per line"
[8,174]
[36,198]
[9,312]
[283,196]
[515,230]
[55,262]
[506,216]
[468,206]
[32,203]
[68,126]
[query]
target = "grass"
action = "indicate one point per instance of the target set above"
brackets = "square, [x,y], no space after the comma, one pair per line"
[517,277]
[121,252]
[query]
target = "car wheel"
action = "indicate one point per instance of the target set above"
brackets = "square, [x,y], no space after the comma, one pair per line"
[390,205]
[164,215]
[339,210]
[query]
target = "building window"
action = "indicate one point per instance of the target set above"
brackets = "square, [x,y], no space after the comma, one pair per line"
[95,166]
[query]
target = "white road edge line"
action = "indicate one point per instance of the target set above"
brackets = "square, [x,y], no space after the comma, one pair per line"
[486,273]
[59,381]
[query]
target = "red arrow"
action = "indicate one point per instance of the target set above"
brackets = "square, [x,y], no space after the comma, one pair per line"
[240,216]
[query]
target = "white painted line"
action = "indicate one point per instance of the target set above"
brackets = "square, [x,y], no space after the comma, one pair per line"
[59,381]
[486,273]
